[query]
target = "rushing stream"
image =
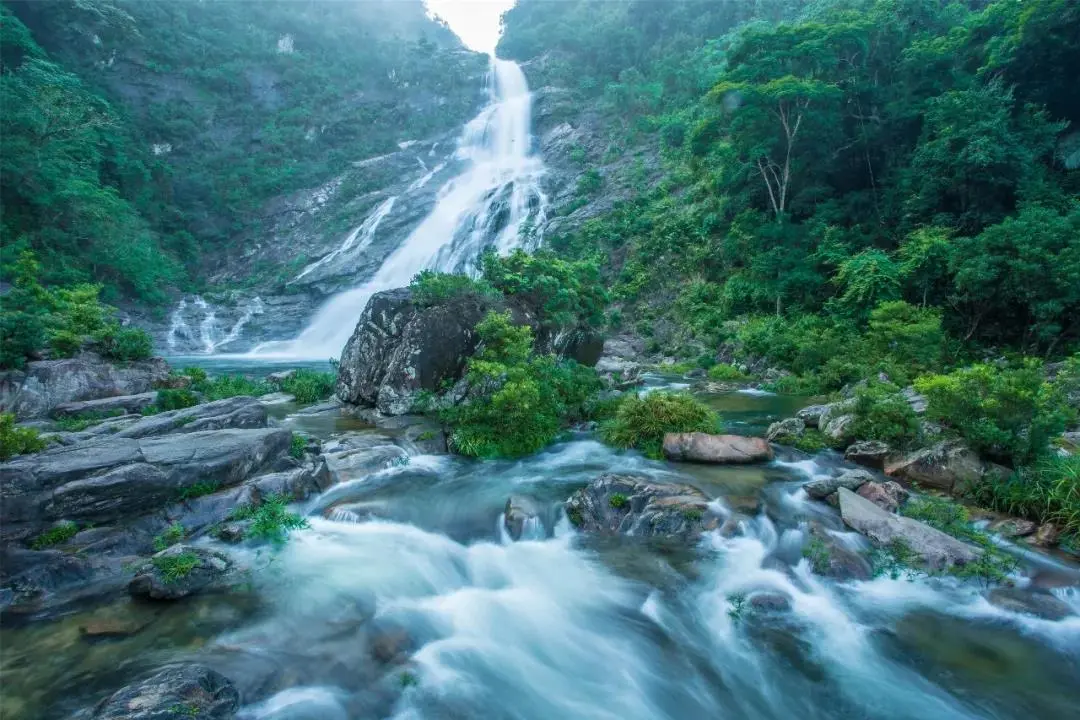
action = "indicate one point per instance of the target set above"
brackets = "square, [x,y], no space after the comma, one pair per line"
[415,603]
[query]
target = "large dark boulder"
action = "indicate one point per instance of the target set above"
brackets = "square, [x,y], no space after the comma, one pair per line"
[176,691]
[400,349]
[35,391]
[631,505]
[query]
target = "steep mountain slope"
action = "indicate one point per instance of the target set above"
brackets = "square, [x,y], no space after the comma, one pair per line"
[191,118]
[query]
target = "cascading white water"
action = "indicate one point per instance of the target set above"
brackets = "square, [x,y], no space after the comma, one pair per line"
[365,232]
[210,337]
[489,204]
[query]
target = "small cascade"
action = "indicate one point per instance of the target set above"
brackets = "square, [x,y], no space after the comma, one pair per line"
[357,240]
[195,327]
[490,204]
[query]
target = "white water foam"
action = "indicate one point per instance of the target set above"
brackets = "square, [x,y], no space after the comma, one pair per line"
[365,232]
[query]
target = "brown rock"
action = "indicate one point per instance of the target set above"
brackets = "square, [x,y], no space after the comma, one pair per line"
[1013,527]
[719,449]
[886,495]
[1046,535]
[947,465]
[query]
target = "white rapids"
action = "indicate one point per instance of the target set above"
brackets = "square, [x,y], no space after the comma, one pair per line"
[491,204]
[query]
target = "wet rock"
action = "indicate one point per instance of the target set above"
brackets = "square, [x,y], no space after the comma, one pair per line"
[518,512]
[233,532]
[1046,535]
[110,405]
[111,478]
[278,378]
[871,453]
[821,488]
[716,449]
[840,429]
[237,413]
[811,415]
[187,691]
[949,465]
[400,349]
[115,621]
[770,602]
[888,496]
[936,549]
[427,438]
[626,347]
[635,506]
[45,384]
[832,411]
[831,558]
[1040,604]
[1013,527]
[179,571]
[785,431]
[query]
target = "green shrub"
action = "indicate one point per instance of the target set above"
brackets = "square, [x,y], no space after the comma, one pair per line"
[172,535]
[227,386]
[906,337]
[811,441]
[618,501]
[642,422]
[1048,491]
[175,567]
[17,440]
[55,535]
[1008,414]
[882,413]
[175,399]
[76,423]
[519,401]
[564,293]
[433,288]
[725,372]
[125,343]
[817,552]
[196,374]
[271,520]
[309,386]
[297,446]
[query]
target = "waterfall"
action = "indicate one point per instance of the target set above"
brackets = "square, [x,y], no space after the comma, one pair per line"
[210,336]
[365,232]
[489,204]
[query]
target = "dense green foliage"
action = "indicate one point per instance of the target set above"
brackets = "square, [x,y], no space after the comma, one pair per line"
[564,293]
[1048,491]
[309,386]
[175,399]
[882,413]
[138,137]
[432,288]
[861,153]
[642,422]
[518,400]
[1006,413]
[61,321]
[17,440]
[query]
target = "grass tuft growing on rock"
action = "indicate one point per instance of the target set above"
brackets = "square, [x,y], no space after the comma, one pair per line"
[172,535]
[297,446]
[641,423]
[227,386]
[55,535]
[175,567]
[271,520]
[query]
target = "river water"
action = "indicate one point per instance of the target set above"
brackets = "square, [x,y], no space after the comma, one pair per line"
[425,608]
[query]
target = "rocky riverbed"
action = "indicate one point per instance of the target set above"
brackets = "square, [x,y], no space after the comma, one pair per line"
[420,584]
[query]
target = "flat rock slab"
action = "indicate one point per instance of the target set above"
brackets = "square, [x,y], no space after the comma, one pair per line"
[717,449]
[202,569]
[938,550]
[123,403]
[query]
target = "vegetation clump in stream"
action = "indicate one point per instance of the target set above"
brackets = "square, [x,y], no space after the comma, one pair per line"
[271,519]
[642,422]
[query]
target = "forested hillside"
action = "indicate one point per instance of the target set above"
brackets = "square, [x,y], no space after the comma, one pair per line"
[140,137]
[907,168]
